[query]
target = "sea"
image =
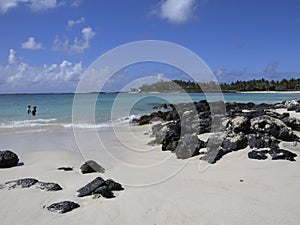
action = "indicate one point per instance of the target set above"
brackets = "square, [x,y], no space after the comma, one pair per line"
[100,110]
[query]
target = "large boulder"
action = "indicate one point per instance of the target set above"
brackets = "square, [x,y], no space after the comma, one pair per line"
[91,167]
[63,207]
[272,126]
[188,146]
[293,123]
[172,136]
[234,142]
[292,105]
[8,159]
[214,151]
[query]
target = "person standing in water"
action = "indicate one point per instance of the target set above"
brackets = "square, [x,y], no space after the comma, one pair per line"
[34,111]
[28,109]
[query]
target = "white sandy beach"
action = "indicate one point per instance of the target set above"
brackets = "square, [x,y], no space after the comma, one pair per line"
[182,191]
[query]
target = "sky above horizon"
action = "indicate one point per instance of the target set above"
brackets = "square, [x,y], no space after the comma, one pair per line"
[47,45]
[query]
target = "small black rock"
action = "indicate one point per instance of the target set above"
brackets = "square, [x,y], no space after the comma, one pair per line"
[260,155]
[65,168]
[91,167]
[63,207]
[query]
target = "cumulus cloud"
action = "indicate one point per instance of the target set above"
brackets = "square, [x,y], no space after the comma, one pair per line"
[78,45]
[35,5]
[21,77]
[12,59]
[177,11]
[72,23]
[271,68]
[31,44]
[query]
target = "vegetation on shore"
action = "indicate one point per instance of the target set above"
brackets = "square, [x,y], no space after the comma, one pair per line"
[238,86]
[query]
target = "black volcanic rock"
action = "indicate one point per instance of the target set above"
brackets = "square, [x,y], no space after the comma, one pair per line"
[282,154]
[104,191]
[48,186]
[89,188]
[91,167]
[100,186]
[234,142]
[188,146]
[31,182]
[21,183]
[65,168]
[113,185]
[8,159]
[63,207]
[262,141]
[260,155]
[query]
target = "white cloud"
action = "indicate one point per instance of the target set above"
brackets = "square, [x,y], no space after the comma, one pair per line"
[12,59]
[72,23]
[36,5]
[78,45]
[177,11]
[31,44]
[21,77]
[271,68]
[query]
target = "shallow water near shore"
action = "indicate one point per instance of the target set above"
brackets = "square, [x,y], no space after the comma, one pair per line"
[55,110]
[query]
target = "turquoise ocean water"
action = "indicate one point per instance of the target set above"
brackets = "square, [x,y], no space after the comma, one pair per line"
[55,110]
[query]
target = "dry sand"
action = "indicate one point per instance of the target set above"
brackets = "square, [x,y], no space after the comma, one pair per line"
[159,189]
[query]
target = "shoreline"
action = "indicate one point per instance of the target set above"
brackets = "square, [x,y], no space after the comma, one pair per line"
[154,181]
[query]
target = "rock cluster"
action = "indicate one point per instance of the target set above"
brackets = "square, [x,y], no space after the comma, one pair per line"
[235,126]
[100,186]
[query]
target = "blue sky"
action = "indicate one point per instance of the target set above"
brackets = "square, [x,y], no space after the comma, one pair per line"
[46,45]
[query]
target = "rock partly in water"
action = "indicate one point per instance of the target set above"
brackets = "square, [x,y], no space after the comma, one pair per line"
[8,159]
[91,167]
[63,207]
[260,155]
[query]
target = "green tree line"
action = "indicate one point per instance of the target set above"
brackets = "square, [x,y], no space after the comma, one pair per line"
[251,85]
